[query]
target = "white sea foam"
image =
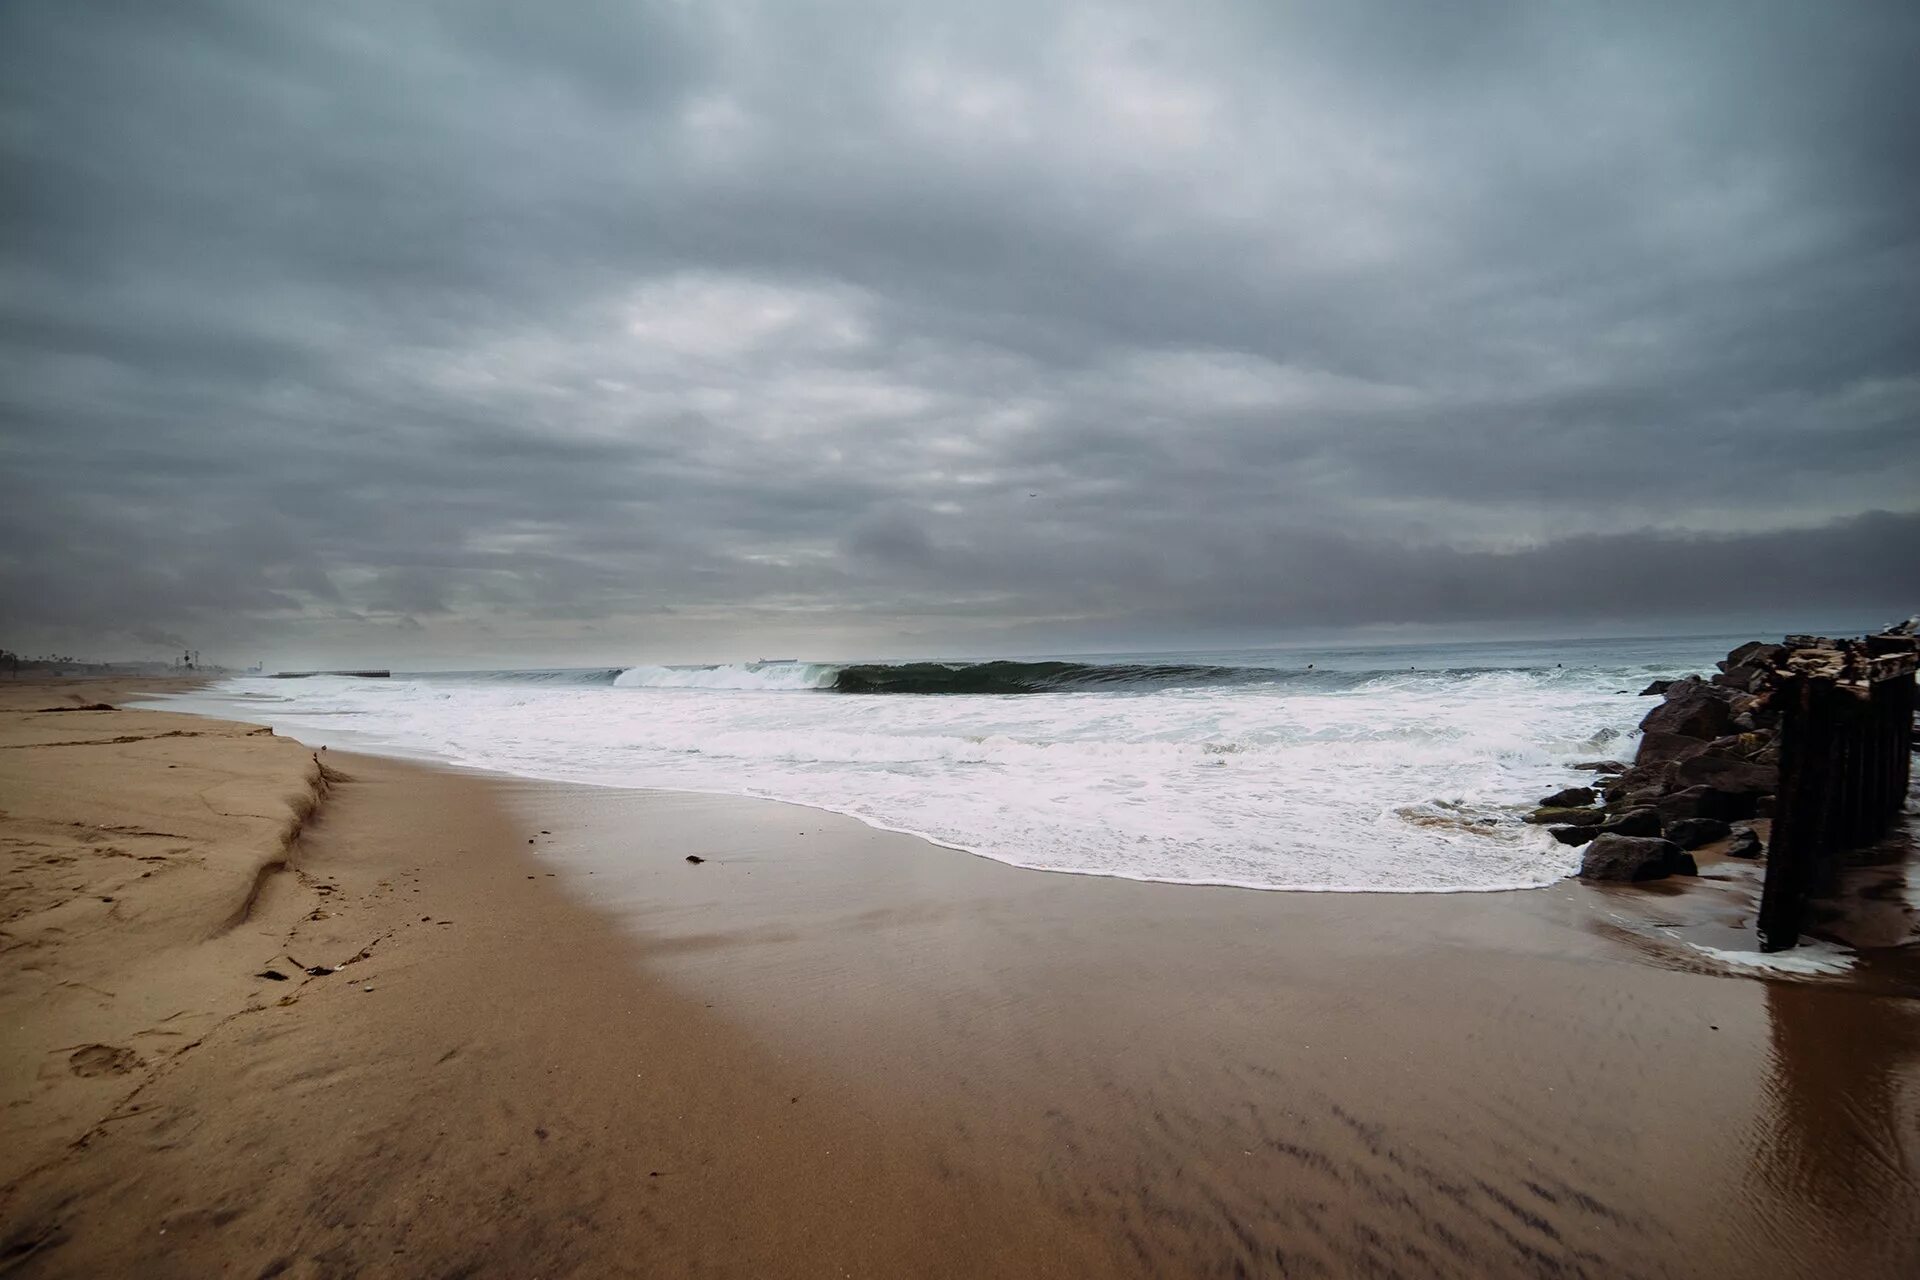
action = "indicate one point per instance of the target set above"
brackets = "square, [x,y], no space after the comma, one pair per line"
[1411,781]
[745,675]
[1809,959]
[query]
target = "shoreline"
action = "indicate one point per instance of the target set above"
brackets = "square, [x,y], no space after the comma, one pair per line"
[355,739]
[1019,1074]
[1717,907]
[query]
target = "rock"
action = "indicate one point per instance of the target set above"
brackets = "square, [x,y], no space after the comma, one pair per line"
[1735,777]
[1745,679]
[1634,822]
[1746,844]
[1743,746]
[1691,833]
[1571,798]
[1573,835]
[1693,709]
[1599,766]
[695,858]
[271,975]
[1753,674]
[1763,713]
[1654,778]
[1752,653]
[1634,858]
[1657,688]
[1699,802]
[1566,816]
[1656,746]
[1750,667]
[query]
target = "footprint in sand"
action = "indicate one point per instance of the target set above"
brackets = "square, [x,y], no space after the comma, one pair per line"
[102,1060]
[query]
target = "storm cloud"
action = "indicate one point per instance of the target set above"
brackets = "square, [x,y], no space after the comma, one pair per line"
[487,331]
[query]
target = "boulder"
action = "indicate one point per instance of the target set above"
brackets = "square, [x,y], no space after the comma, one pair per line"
[1755,710]
[1657,688]
[1750,668]
[1740,746]
[1754,653]
[1566,816]
[1745,679]
[1656,746]
[1691,833]
[1573,835]
[1634,822]
[1633,858]
[1699,802]
[1599,766]
[1571,798]
[1655,778]
[1745,844]
[1735,777]
[1693,709]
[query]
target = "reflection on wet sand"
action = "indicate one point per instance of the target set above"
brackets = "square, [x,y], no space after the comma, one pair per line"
[1839,1124]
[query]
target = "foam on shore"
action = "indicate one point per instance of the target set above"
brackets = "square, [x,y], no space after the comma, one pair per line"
[1808,960]
[1191,772]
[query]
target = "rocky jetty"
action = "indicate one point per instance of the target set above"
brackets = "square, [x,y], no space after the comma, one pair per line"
[1709,757]
[1708,760]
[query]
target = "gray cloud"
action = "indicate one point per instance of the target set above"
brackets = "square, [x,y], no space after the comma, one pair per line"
[454,331]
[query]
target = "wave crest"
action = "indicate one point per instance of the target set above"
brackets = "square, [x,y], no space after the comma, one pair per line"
[744,675]
[997,677]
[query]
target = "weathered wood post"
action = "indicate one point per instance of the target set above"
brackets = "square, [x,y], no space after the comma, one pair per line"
[1877,774]
[1796,814]
[1903,720]
[1848,827]
[1846,762]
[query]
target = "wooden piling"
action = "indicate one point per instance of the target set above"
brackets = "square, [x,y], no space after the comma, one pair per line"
[1795,814]
[1846,762]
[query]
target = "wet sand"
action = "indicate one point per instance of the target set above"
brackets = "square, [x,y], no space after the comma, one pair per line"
[832,1050]
[1230,1081]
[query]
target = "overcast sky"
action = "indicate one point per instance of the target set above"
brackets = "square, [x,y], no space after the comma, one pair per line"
[484,332]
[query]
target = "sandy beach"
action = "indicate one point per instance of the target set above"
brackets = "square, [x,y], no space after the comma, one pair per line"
[1031,640]
[516,1031]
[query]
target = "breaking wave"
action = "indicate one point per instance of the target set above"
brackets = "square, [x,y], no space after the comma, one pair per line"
[1403,768]
[998,677]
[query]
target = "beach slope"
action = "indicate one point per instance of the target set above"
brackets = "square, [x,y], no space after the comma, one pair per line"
[270,1017]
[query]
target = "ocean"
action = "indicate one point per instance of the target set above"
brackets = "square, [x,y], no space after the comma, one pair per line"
[1394,768]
